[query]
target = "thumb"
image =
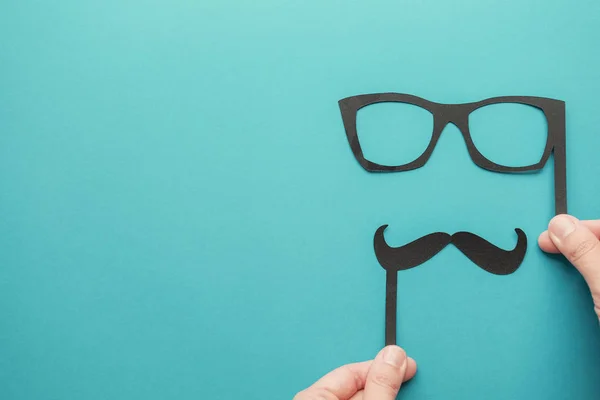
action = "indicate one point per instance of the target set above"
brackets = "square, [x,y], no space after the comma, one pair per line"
[386,374]
[581,247]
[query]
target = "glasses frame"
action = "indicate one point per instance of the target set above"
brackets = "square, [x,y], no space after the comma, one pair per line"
[458,114]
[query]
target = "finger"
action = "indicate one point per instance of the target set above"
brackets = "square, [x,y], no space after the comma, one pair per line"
[340,384]
[386,374]
[548,246]
[411,370]
[581,247]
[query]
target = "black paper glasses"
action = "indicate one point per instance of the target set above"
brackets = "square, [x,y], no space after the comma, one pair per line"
[458,114]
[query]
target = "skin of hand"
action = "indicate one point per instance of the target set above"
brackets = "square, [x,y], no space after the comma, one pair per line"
[379,379]
[578,242]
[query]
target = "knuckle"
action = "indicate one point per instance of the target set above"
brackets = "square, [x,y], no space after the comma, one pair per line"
[582,249]
[359,382]
[387,382]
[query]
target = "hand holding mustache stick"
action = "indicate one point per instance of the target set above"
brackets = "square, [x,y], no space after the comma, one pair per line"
[484,254]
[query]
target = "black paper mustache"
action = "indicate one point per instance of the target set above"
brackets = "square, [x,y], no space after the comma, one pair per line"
[486,255]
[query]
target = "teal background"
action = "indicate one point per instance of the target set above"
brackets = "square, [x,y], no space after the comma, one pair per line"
[181,215]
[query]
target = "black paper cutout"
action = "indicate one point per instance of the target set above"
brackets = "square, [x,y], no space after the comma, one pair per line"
[458,114]
[481,252]
[484,254]
[489,257]
[410,255]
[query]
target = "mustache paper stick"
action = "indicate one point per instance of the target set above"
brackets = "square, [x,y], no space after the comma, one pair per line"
[484,254]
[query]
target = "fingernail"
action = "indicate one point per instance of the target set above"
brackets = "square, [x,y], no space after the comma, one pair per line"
[394,356]
[562,226]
